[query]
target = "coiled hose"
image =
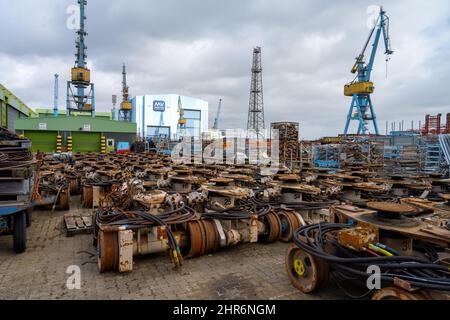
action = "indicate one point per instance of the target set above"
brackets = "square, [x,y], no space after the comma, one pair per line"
[139,219]
[420,273]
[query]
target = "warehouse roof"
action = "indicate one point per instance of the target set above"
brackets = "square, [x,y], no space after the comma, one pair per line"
[15,102]
[74,123]
[62,113]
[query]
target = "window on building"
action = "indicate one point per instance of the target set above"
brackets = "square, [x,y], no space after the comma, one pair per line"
[193,122]
[155,131]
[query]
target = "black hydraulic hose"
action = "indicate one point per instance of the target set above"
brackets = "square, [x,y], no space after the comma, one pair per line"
[418,272]
[139,219]
[390,278]
[320,252]
[176,254]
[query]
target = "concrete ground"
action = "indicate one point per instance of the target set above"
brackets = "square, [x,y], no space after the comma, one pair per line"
[252,271]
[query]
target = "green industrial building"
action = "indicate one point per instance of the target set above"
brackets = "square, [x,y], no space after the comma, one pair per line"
[75,133]
[12,108]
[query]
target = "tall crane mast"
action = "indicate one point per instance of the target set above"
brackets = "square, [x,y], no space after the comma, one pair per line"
[181,128]
[361,107]
[217,119]
[125,106]
[56,96]
[255,120]
[77,98]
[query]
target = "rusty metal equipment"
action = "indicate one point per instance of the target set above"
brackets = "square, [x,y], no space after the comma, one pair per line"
[145,204]
[411,255]
[209,214]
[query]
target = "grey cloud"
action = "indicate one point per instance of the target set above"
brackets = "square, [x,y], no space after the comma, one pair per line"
[204,48]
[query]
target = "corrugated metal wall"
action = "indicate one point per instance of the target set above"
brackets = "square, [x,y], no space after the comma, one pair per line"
[13,114]
[43,141]
[8,115]
[86,141]
[3,114]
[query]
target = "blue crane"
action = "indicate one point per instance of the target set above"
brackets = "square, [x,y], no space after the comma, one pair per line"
[125,106]
[56,96]
[361,108]
[182,121]
[217,119]
[77,99]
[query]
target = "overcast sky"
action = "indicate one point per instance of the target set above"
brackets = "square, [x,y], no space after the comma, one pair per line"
[204,49]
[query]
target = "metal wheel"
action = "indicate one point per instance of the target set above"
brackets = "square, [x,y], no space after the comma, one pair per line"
[196,239]
[393,293]
[324,271]
[212,236]
[108,256]
[204,237]
[273,227]
[306,272]
[289,224]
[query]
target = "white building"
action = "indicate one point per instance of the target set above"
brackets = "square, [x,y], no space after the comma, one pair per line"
[159,114]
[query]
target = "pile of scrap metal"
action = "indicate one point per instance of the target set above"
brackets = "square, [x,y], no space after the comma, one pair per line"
[391,250]
[145,204]
[404,160]
[359,155]
[350,154]
[364,185]
[53,183]
[197,210]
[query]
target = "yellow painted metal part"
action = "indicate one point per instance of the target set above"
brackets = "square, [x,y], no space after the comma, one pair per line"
[299,267]
[359,87]
[87,107]
[125,105]
[81,75]
[69,142]
[103,144]
[58,144]
[182,121]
